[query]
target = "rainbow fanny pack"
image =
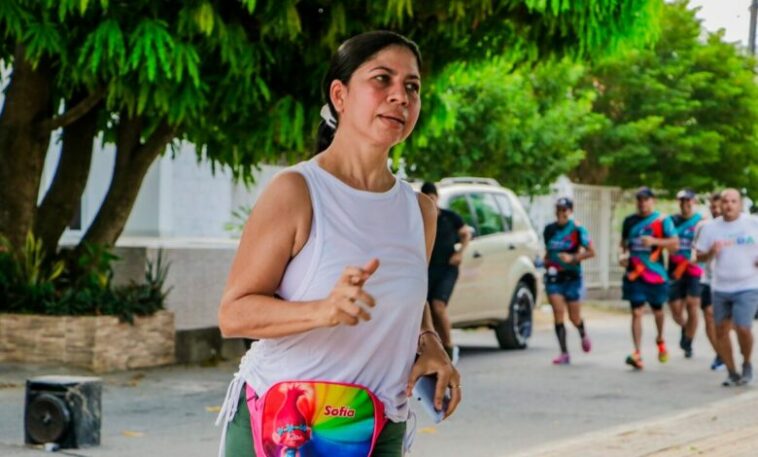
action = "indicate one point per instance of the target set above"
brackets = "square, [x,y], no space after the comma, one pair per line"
[315,419]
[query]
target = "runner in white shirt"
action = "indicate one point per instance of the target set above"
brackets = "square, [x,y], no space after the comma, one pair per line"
[732,241]
[705,297]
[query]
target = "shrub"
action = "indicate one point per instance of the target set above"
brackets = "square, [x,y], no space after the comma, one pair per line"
[77,284]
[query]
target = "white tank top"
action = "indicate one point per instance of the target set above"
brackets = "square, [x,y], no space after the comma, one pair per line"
[350,227]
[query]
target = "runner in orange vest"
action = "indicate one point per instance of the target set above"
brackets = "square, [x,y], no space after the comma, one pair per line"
[644,235]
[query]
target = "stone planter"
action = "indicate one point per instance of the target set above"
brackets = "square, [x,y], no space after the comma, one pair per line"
[98,343]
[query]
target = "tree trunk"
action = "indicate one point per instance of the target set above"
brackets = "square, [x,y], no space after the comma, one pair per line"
[23,145]
[133,159]
[62,199]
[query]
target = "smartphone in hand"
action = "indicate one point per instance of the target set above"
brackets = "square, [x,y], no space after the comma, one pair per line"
[424,390]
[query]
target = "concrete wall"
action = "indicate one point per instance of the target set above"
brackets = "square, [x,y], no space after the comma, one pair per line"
[196,276]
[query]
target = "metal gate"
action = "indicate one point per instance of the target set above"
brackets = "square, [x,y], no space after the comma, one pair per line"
[595,208]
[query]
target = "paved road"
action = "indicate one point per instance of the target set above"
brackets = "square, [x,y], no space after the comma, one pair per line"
[514,401]
[517,401]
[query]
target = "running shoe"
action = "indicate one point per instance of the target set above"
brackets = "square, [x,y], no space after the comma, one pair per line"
[635,361]
[717,364]
[663,354]
[683,340]
[586,344]
[688,348]
[732,380]
[562,359]
[747,375]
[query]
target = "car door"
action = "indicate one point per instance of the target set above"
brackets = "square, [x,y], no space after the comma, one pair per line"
[502,249]
[482,288]
[523,237]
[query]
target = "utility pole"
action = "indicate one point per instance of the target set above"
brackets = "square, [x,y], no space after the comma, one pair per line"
[753,16]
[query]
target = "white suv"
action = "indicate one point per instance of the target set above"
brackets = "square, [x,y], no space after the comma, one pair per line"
[499,282]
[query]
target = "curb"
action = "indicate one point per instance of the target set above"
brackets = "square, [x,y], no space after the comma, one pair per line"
[699,431]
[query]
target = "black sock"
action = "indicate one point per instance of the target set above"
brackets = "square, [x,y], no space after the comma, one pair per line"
[580,327]
[560,331]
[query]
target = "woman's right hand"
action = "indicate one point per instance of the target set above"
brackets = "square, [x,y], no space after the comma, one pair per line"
[345,304]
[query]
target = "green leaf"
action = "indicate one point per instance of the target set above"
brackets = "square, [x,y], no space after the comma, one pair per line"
[14,19]
[151,44]
[204,18]
[104,49]
[41,38]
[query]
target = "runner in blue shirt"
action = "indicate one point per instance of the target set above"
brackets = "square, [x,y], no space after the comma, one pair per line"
[567,244]
[685,273]
[644,236]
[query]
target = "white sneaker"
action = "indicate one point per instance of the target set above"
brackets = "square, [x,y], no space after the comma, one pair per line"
[747,375]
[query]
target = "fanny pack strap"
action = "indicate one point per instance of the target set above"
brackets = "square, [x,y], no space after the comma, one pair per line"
[410,432]
[256,419]
[229,409]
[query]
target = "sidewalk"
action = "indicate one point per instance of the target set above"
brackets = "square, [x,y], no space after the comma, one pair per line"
[724,428]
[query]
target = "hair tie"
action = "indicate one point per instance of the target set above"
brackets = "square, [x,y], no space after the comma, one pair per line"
[328,117]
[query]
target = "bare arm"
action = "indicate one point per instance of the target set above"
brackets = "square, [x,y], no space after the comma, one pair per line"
[707,256]
[432,357]
[587,252]
[623,254]
[465,236]
[429,213]
[670,243]
[703,256]
[275,233]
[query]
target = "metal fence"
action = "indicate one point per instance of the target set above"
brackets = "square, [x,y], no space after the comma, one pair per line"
[595,208]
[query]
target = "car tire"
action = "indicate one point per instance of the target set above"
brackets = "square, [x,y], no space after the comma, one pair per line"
[514,332]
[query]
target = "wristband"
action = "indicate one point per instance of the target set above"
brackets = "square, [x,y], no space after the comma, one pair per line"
[427,332]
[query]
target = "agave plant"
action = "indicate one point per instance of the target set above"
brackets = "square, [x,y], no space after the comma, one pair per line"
[27,279]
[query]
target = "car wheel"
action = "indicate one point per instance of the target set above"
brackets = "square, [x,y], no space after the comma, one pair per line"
[514,332]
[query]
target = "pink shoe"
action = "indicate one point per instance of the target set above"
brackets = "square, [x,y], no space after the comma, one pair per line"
[562,359]
[586,344]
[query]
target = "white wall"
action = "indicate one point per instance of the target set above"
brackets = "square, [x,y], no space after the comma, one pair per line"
[179,197]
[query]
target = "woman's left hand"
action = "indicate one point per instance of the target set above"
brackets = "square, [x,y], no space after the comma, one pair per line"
[433,360]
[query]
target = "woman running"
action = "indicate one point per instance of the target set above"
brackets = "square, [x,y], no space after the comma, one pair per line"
[331,278]
[568,245]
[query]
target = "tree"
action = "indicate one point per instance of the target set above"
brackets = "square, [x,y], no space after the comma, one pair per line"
[682,113]
[226,75]
[521,127]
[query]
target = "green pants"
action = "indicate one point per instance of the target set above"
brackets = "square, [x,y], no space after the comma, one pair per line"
[239,436]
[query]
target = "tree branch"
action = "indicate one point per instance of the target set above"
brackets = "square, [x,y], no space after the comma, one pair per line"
[161,136]
[76,112]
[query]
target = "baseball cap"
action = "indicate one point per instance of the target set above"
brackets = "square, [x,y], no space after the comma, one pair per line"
[645,192]
[564,202]
[685,194]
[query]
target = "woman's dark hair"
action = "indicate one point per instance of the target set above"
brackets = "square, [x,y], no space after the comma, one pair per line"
[349,56]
